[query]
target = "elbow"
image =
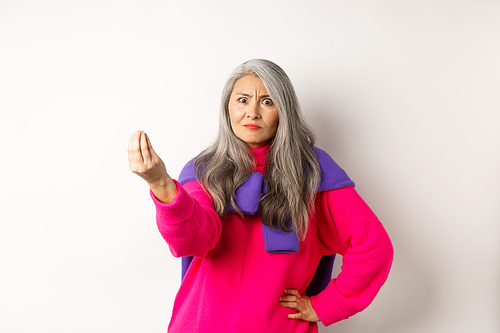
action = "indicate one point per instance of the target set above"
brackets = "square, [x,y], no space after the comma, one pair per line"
[387,253]
[188,249]
[179,252]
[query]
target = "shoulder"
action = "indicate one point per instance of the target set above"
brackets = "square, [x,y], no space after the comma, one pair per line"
[187,173]
[332,175]
[187,179]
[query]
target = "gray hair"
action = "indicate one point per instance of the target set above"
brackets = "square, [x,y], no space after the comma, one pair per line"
[292,173]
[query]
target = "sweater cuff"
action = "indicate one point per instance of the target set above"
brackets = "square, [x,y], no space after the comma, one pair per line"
[327,307]
[176,212]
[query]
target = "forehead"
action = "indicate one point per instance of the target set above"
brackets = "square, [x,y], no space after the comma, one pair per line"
[249,83]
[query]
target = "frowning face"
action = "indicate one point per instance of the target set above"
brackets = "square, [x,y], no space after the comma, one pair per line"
[254,117]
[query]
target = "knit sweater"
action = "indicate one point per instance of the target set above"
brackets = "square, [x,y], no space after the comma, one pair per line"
[233,285]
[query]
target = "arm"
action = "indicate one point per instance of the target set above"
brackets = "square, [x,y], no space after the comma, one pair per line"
[187,221]
[189,225]
[353,230]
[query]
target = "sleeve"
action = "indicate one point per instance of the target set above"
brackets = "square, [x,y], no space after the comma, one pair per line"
[352,230]
[189,224]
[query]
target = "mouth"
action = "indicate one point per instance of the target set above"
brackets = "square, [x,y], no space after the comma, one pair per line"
[250,126]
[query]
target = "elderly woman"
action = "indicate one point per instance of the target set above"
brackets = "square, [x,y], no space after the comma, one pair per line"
[258,217]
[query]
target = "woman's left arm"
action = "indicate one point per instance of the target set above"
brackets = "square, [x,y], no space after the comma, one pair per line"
[349,227]
[354,231]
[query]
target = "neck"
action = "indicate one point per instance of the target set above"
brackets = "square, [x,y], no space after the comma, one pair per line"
[259,155]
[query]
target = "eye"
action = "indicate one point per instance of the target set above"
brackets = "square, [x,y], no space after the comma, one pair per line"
[267,101]
[242,99]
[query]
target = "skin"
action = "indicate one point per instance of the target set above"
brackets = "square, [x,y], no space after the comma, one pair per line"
[249,103]
[292,299]
[144,161]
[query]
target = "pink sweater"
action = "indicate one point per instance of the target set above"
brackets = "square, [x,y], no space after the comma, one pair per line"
[233,285]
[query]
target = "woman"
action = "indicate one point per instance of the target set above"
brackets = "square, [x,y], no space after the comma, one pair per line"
[258,215]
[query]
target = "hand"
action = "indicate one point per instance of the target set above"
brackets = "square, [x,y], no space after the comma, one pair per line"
[144,162]
[301,303]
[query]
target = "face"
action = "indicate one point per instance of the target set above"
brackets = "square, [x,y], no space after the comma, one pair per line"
[254,117]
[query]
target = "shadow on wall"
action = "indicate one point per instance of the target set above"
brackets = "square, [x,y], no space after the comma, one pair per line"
[409,294]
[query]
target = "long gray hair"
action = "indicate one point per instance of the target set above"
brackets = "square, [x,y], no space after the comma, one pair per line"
[292,172]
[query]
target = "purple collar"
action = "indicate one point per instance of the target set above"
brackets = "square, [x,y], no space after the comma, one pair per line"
[248,195]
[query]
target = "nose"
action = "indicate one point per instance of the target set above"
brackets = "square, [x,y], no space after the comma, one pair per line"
[253,111]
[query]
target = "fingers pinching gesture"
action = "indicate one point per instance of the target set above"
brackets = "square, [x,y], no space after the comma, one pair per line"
[301,303]
[144,161]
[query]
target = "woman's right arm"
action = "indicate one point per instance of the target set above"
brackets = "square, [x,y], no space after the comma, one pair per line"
[185,214]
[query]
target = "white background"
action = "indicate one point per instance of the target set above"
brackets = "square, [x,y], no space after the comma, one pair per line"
[405,95]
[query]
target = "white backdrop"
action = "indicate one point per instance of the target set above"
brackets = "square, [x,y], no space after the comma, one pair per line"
[403,94]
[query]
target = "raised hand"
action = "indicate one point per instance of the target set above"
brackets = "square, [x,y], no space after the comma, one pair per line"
[301,303]
[144,161]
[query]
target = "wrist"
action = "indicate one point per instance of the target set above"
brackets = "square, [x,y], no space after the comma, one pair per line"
[162,183]
[164,190]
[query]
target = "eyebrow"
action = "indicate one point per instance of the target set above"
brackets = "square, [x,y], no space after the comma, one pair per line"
[248,95]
